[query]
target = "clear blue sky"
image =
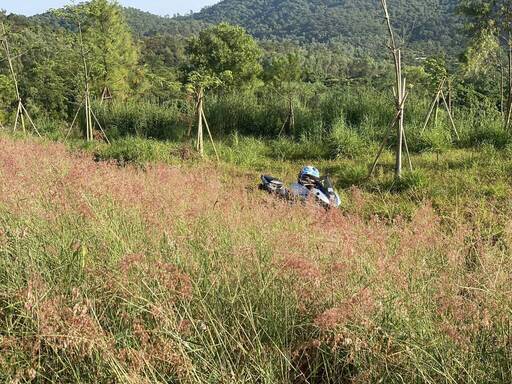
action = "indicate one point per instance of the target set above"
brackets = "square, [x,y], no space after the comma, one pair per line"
[159,7]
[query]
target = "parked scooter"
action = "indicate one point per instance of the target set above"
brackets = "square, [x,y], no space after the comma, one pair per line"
[309,185]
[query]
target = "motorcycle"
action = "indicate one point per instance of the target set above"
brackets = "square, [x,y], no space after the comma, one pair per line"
[321,190]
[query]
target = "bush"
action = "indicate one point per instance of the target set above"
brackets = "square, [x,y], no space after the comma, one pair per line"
[135,150]
[142,119]
[436,140]
[492,134]
[408,181]
[286,149]
[345,142]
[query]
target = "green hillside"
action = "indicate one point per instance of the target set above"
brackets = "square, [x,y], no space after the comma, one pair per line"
[426,25]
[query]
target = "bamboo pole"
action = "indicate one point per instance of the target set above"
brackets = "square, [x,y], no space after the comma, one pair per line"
[101,128]
[433,105]
[386,138]
[210,135]
[502,90]
[74,120]
[16,118]
[407,152]
[30,120]
[400,97]
[87,103]
[200,142]
[21,111]
[509,100]
[450,115]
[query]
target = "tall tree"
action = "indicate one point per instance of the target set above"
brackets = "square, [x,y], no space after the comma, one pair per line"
[221,55]
[490,25]
[226,52]
[114,56]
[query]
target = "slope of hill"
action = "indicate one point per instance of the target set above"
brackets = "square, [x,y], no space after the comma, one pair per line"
[142,23]
[426,25]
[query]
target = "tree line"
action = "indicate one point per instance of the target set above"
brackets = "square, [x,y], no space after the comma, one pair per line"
[168,70]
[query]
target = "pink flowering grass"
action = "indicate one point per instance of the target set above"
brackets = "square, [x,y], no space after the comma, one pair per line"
[184,274]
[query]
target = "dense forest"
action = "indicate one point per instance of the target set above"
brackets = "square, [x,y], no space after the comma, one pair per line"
[426,26]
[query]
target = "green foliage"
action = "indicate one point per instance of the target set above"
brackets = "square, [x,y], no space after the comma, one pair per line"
[135,150]
[429,27]
[120,119]
[226,52]
[111,54]
[284,69]
[437,140]
[345,142]
[7,97]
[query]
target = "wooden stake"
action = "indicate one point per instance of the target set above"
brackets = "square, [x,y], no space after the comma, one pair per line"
[210,134]
[21,111]
[30,120]
[400,96]
[450,115]
[200,142]
[74,120]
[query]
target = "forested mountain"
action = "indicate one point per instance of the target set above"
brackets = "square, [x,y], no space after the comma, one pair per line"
[141,23]
[426,25]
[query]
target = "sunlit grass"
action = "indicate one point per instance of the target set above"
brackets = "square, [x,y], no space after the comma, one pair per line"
[181,271]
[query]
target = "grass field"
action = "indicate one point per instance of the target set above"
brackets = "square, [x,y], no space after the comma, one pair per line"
[139,263]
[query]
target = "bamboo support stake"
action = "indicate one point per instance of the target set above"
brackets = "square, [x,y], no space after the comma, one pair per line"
[433,105]
[407,152]
[384,142]
[101,128]
[400,96]
[386,138]
[509,100]
[450,115]
[74,120]
[30,120]
[21,111]
[200,143]
[16,118]
[210,134]
[429,114]
[89,134]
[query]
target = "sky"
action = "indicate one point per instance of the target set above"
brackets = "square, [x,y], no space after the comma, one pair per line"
[159,7]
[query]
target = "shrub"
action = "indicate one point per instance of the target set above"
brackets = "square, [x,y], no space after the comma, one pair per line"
[135,150]
[408,181]
[142,119]
[344,141]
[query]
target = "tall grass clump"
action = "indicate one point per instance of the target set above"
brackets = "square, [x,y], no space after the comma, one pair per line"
[144,119]
[346,142]
[182,274]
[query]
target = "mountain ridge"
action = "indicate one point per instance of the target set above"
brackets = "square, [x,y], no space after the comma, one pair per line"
[427,27]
